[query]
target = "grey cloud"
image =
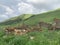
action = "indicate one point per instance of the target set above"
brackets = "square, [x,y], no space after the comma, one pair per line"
[2,10]
[3,17]
[8,2]
[48,5]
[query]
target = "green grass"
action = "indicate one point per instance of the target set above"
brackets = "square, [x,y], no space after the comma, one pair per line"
[45,37]
[41,38]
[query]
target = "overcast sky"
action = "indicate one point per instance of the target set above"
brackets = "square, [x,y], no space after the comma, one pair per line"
[11,8]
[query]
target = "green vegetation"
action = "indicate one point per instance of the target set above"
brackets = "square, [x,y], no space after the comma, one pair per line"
[45,37]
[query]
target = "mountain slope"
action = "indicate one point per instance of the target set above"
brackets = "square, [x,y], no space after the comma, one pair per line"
[46,17]
[16,20]
[31,19]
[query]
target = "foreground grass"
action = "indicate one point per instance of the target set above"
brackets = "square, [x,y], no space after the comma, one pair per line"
[41,38]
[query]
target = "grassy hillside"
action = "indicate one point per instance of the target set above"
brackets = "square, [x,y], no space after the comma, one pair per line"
[46,17]
[17,20]
[33,19]
[45,37]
